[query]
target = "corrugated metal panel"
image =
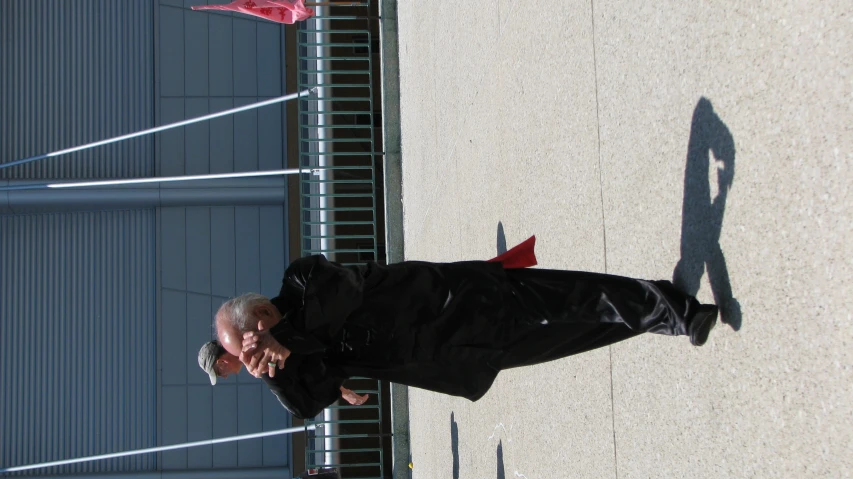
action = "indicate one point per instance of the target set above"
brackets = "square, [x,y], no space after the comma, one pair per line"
[72,72]
[77,331]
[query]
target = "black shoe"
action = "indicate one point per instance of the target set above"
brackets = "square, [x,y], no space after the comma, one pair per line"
[702,324]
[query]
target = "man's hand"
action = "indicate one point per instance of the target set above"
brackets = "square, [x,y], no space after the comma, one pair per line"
[262,354]
[352,397]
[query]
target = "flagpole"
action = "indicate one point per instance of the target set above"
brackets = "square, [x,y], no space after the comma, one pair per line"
[160,128]
[208,442]
[160,179]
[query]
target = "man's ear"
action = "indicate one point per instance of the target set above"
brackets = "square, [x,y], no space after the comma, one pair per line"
[261,325]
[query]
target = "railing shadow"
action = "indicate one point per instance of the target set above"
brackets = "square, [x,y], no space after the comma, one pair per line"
[454,445]
[501,247]
[501,474]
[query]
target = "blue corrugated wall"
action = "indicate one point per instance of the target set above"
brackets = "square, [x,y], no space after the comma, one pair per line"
[74,72]
[102,313]
[77,291]
[77,302]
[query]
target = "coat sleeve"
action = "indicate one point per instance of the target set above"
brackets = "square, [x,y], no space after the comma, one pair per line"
[323,295]
[305,386]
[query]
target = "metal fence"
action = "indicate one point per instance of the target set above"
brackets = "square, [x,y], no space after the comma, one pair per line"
[338,204]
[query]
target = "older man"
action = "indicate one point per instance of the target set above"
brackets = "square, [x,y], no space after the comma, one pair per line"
[293,389]
[446,327]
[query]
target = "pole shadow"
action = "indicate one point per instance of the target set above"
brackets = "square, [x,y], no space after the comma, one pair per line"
[454,445]
[500,453]
[702,215]
[501,239]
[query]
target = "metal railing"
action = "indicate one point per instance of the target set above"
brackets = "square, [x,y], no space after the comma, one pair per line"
[351,443]
[338,204]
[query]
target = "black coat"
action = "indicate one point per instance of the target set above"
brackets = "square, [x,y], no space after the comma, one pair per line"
[393,323]
[449,327]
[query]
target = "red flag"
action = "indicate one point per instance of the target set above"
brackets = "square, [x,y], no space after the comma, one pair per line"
[280,11]
[520,256]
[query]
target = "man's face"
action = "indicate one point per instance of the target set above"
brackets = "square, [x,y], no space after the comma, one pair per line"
[227,364]
[231,338]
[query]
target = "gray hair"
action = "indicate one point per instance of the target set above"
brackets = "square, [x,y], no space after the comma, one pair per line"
[238,311]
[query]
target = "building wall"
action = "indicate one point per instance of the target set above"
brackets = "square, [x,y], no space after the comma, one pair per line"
[212,61]
[103,312]
[73,73]
[208,255]
[77,290]
[77,315]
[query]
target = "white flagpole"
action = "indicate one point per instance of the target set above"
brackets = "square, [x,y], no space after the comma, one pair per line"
[159,128]
[160,179]
[157,449]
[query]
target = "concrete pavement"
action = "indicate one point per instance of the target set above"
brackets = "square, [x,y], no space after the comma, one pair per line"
[631,138]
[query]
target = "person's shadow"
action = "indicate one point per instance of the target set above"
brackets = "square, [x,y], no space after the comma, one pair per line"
[454,445]
[702,215]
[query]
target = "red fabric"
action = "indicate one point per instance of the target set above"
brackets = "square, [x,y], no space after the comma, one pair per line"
[280,11]
[520,256]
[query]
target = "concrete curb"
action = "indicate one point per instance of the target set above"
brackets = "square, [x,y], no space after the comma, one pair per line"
[393,180]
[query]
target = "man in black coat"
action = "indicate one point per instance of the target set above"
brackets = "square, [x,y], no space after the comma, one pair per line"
[445,327]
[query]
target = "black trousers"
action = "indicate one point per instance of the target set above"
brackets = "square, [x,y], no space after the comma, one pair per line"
[561,313]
